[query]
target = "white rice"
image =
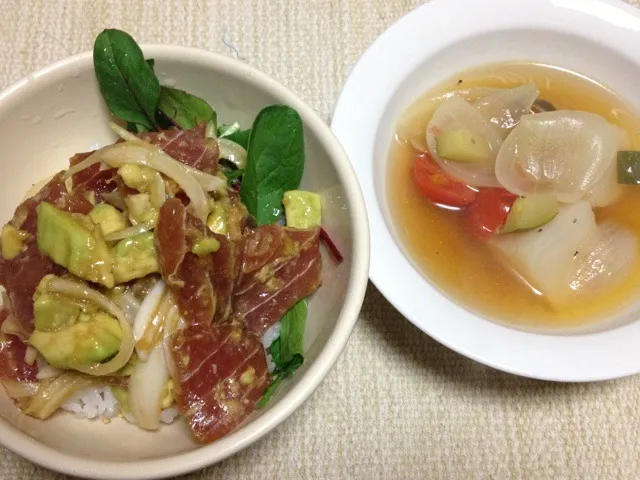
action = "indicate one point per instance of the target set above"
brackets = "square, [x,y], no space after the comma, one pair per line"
[270,336]
[100,403]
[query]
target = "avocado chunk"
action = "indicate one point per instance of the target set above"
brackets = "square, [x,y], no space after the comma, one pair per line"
[109,218]
[218,219]
[530,212]
[462,145]
[76,243]
[302,208]
[140,208]
[53,312]
[12,241]
[135,257]
[137,177]
[82,344]
[205,246]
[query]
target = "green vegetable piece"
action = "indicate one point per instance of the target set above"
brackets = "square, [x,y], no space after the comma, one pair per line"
[184,109]
[292,328]
[76,243]
[109,218]
[82,344]
[127,82]
[205,246]
[531,212]
[218,219]
[53,312]
[269,392]
[12,241]
[137,177]
[233,175]
[629,168]
[302,208]
[135,257]
[140,208]
[462,145]
[226,130]
[241,137]
[122,396]
[275,160]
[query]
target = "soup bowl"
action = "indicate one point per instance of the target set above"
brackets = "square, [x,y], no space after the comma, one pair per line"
[57,111]
[594,38]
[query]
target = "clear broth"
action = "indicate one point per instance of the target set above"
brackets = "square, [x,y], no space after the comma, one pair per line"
[463,267]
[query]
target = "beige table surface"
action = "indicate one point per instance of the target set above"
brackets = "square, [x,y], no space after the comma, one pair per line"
[397,404]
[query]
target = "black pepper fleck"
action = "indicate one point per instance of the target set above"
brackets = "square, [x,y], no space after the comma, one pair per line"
[459,81]
[575,220]
[539,230]
[575,254]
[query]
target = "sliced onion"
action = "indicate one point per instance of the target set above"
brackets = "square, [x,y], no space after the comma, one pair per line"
[17,389]
[148,309]
[11,326]
[30,355]
[233,152]
[129,305]
[412,125]
[174,322]
[76,290]
[456,113]
[144,154]
[132,231]
[566,152]
[47,372]
[209,182]
[505,107]
[52,394]
[585,258]
[157,191]
[146,387]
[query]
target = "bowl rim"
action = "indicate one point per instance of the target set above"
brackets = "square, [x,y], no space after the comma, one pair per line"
[366,95]
[29,448]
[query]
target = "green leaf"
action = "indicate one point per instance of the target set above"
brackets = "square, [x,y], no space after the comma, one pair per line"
[233,175]
[241,137]
[269,392]
[228,129]
[275,160]
[127,83]
[184,109]
[296,362]
[151,62]
[292,328]
[233,133]
[274,351]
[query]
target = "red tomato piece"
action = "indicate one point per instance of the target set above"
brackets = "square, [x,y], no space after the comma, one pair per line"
[488,213]
[439,187]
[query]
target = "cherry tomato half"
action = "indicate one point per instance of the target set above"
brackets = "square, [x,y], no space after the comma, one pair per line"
[489,211]
[439,187]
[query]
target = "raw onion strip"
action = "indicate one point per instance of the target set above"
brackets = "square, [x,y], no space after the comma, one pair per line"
[52,394]
[140,154]
[17,389]
[76,290]
[232,152]
[206,181]
[146,387]
[131,231]
[157,191]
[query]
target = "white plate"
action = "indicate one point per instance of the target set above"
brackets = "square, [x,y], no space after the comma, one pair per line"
[597,38]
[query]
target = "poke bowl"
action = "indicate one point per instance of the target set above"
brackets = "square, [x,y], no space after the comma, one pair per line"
[166,309]
[485,114]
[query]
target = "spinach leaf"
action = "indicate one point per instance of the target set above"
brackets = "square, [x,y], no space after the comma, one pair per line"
[282,371]
[241,137]
[227,129]
[275,160]
[185,110]
[151,62]
[292,331]
[233,175]
[233,133]
[268,393]
[127,83]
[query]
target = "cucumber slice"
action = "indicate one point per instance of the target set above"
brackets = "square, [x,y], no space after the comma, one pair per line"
[531,212]
[629,168]
[462,145]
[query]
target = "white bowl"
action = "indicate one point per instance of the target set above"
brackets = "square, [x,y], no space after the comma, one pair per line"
[57,111]
[597,38]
